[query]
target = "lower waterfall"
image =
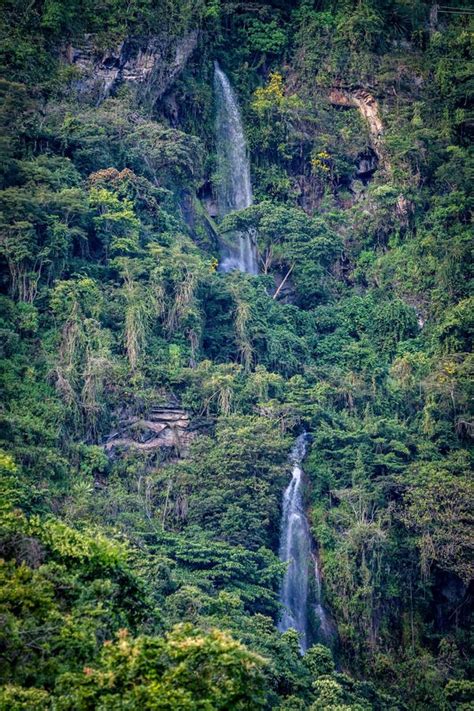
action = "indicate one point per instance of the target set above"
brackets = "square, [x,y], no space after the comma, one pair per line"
[302,574]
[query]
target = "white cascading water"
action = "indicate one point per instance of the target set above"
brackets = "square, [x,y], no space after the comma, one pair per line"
[296,550]
[234,189]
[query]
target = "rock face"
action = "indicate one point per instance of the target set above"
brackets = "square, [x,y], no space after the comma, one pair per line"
[369,108]
[164,426]
[152,63]
[367,163]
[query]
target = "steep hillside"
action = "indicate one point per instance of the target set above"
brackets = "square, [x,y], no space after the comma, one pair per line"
[152,393]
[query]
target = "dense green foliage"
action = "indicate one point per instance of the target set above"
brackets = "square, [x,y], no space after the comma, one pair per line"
[149,578]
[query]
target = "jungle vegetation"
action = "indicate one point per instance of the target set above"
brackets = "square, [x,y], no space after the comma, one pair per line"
[149,579]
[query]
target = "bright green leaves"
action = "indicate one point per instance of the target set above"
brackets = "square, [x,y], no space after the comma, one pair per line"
[186,669]
[164,154]
[76,298]
[37,247]
[111,263]
[236,485]
[116,223]
[83,361]
[361,27]
[437,507]
[91,549]
[288,238]
[272,97]
[71,588]
[455,331]
[266,37]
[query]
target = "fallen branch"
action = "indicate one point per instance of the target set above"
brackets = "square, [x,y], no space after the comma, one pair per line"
[283,282]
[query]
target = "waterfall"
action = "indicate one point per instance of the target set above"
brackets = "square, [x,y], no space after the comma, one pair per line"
[302,574]
[326,629]
[234,189]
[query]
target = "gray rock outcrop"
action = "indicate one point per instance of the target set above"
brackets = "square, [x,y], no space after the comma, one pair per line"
[163,427]
[370,111]
[151,63]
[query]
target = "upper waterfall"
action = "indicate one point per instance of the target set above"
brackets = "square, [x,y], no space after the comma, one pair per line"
[234,188]
[302,574]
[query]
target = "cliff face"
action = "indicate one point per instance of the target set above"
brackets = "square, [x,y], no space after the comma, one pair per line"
[165,426]
[369,108]
[152,63]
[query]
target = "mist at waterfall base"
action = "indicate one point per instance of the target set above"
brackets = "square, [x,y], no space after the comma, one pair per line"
[301,595]
[234,189]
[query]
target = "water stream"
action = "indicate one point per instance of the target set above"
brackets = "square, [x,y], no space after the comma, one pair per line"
[303,609]
[301,588]
[234,189]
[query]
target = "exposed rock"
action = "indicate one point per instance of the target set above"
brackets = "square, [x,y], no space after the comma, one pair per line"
[199,218]
[171,108]
[357,190]
[369,108]
[433,22]
[210,205]
[152,63]
[208,199]
[452,599]
[164,426]
[403,207]
[367,164]
[164,414]
[338,97]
